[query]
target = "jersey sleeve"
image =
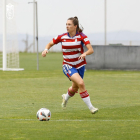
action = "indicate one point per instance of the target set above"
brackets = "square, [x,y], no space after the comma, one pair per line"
[85,39]
[57,39]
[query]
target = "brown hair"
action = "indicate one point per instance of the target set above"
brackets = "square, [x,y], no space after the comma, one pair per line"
[76,22]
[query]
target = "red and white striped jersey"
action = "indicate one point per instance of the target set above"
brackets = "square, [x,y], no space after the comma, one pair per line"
[72,48]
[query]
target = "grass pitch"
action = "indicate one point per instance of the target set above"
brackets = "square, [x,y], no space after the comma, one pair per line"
[22,93]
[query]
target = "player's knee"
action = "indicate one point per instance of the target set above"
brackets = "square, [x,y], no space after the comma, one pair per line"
[81,83]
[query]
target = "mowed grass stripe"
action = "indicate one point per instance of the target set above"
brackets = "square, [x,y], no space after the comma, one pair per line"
[73,120]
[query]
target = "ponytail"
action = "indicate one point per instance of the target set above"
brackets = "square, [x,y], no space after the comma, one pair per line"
[76,22]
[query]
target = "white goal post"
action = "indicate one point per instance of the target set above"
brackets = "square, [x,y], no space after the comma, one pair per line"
[9,52]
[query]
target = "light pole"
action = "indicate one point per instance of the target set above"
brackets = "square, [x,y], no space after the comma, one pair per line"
[4,36]
[34,26]
[105,7]
[36,33]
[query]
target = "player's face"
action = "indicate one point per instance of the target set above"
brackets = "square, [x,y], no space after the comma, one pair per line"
[70,26]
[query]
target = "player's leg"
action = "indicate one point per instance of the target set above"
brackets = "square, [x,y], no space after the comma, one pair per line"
[72,90]
[76,78]
[70,93]
[68,71]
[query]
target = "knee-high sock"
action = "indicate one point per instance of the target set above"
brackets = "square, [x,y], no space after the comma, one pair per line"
[85,96]
[69,95]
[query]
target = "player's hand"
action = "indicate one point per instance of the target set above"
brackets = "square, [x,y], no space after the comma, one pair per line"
[44,53]
[82,56]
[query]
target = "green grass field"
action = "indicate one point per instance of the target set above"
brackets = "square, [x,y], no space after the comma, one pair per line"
[22,93]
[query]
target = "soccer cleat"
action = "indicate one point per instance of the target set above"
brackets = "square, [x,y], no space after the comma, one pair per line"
[94,110]
[64,102]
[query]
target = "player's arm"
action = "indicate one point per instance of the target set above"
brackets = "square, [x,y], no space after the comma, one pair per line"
[48,46]
[88,52]
[90,49]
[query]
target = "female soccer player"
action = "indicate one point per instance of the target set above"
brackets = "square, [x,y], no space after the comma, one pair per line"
[74,60]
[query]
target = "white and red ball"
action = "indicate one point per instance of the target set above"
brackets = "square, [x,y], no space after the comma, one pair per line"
[43,114]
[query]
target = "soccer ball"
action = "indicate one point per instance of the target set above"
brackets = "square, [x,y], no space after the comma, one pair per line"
[43,114]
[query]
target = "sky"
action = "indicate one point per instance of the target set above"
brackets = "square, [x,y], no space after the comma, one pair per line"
[53,14]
